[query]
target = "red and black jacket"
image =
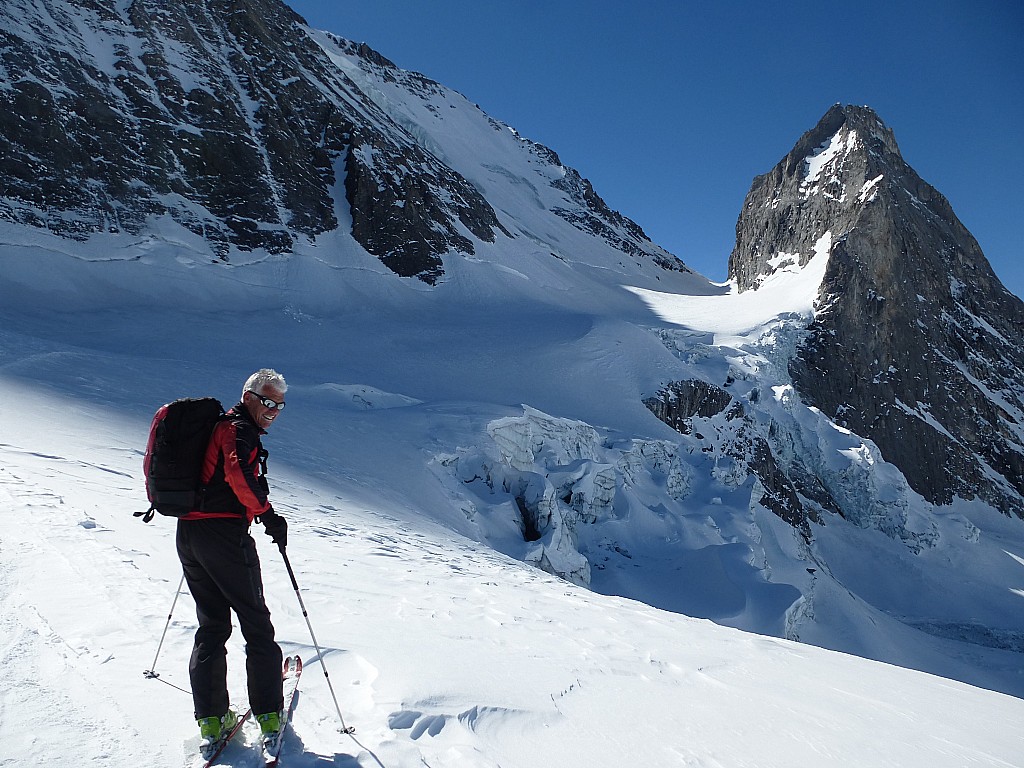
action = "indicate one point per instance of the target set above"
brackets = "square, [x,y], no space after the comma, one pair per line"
[233,476]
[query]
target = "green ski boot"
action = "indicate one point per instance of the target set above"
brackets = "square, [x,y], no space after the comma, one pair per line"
[213,731]
[270,727]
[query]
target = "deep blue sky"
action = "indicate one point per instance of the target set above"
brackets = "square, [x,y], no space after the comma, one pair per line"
[671,107]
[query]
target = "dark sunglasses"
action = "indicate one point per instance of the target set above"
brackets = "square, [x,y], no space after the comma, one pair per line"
[267,402]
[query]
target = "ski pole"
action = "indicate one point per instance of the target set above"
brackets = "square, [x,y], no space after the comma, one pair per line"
[319,653]
[151,672]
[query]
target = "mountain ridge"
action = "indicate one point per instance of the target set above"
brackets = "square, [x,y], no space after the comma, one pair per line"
[238,126]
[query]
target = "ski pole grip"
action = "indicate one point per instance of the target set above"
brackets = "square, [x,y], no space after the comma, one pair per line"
[288,567]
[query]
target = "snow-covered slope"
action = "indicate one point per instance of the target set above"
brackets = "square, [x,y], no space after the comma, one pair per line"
[523,181]
[441,651]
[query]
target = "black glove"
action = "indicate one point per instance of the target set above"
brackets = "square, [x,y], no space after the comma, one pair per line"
[276,527]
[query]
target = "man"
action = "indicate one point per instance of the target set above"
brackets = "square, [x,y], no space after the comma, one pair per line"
[222,567]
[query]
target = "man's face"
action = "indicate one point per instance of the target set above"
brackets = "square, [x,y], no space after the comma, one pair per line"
[260,412]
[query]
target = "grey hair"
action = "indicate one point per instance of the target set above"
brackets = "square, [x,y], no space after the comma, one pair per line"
[265,377]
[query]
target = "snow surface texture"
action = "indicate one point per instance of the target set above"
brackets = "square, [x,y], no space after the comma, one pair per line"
[507,559]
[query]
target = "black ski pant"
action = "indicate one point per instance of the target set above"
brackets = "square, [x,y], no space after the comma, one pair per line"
[222,569]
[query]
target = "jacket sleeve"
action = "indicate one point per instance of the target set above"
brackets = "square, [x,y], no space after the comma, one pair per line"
[241,467]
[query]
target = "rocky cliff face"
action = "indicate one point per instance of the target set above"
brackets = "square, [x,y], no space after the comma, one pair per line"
[230,118]
[915,342]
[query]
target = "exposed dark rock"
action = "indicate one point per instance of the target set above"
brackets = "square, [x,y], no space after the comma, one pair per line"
[678,403]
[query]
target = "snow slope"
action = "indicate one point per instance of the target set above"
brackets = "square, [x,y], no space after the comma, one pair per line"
[442,652]
[444,647]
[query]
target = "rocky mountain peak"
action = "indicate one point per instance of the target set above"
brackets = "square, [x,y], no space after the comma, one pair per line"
[913,342]
[839,122]
[819,187]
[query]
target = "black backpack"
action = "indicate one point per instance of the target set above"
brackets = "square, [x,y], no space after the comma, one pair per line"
[178,438]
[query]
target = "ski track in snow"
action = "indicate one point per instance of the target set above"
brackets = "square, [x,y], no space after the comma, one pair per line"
[62,602]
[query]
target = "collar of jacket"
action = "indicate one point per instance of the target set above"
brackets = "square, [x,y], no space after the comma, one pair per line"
[238,410]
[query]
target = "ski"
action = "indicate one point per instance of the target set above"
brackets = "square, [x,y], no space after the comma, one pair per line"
[227,739]
[293,669]
[290,669]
